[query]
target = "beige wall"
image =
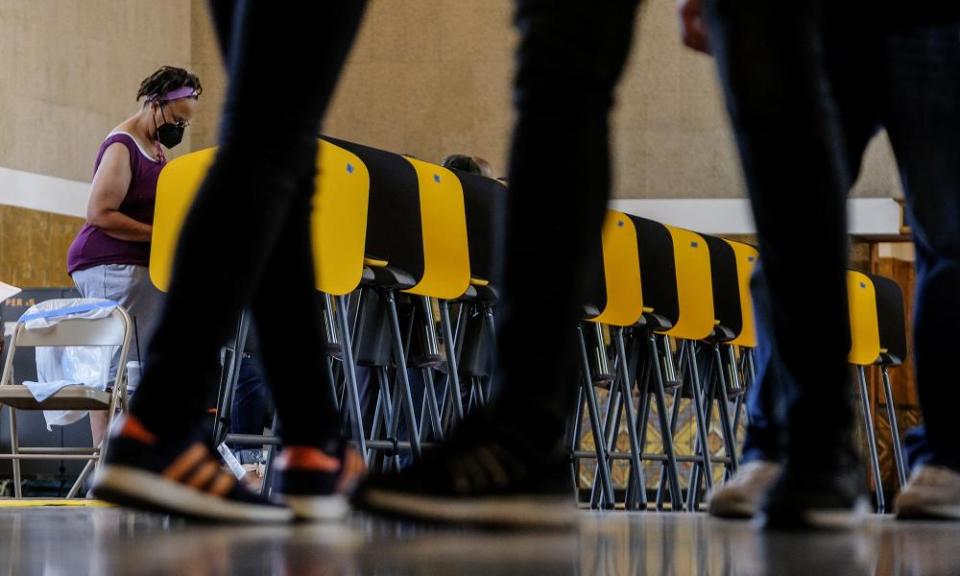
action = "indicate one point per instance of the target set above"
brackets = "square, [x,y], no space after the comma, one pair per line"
[70,70]
[427,77]
[69,73]
[431,77]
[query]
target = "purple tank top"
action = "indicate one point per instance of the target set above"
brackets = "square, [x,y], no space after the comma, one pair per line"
[92,247]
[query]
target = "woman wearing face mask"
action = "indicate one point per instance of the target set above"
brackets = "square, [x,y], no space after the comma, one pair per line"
[110,256]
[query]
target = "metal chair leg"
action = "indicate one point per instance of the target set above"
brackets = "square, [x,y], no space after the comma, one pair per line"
[230,375]
[388,411]
[267,480]
[669,366]
[674,423]
[702,427]
[673,473]
[610,429]
[433,407]
[722,396]
[453,368]
[350,373]
[626,386]
[741,385]
[640,422]
[15,449]
[404,392]
[717,393]
[603,461]
[898,457]
[643,419]
[871,438]
[576,428]
[78,485]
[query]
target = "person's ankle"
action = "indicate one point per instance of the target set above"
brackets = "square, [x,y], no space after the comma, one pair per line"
[130,426]
[306,458]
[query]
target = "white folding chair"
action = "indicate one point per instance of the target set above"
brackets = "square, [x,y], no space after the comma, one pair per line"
[112,330]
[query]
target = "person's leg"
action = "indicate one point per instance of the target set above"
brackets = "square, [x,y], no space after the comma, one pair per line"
[250,404]
[124,285]
[760,463]
[923,119]
[251,211]
[924,127]
[770,57]
[853,72]
[262,176]
[570,58]
[290,338]
[144,302]
[251,399]
[763,435]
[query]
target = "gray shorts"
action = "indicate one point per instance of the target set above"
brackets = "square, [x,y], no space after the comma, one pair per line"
[129,286]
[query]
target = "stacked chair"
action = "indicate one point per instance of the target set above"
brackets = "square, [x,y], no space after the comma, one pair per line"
[417,247]
[746,341]
[893,353]
[878,338]
[339,226]
[616,302]
[407,255]
[386,227]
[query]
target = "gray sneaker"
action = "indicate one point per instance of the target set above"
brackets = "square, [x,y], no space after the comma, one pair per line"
[933,492]
[740,497]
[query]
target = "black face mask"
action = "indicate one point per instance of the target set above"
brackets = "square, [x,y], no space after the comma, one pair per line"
[169,134]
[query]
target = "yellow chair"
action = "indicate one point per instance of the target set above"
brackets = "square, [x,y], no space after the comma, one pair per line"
[865,351]
[746,342]
[339,231]
[177,186]
[485,203]
[696,323]
[694,286]
[623,305]
[893,352]
[618,304]
[416,246]
[338,220]
[446,258]
[722,383]
[747,258]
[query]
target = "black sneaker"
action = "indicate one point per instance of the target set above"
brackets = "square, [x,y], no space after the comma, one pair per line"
[180,478]
[485,475]
[816,496]
[315,484]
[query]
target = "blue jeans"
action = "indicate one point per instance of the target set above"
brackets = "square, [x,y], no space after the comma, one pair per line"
[906,80]
[251,400]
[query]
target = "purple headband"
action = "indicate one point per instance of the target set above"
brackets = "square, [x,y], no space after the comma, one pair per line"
[185,92]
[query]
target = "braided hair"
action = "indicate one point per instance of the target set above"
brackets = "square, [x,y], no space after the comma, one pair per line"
[166,79]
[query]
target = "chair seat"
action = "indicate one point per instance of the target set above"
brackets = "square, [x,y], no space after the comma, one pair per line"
[67,398]
[388,277]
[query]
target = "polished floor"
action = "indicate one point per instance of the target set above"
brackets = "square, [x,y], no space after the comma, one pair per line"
[105,541]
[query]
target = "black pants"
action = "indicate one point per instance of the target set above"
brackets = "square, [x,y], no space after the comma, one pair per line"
[246,241]
[570,58]
[904,78]
[776,63]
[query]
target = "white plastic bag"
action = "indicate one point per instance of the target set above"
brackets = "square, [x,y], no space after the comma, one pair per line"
[70,365]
